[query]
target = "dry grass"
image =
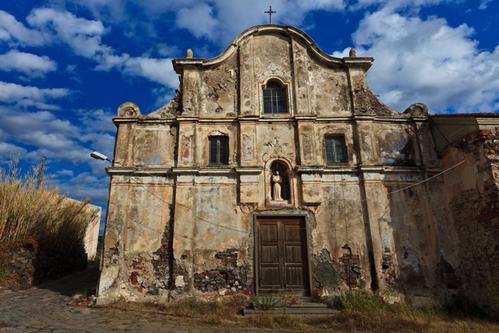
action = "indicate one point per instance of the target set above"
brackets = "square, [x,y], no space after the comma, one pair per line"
[28,212]
[38,218]
[226,312]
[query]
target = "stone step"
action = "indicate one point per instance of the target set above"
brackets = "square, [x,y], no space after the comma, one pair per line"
[308,305]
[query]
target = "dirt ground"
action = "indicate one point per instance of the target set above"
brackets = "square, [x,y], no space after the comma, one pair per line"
[46,308]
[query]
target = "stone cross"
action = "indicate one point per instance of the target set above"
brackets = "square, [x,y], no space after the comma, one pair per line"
[270,12]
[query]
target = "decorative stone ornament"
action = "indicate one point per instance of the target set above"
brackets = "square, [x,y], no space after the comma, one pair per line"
[275,149]
[128,110]
[417,110]
[189,53]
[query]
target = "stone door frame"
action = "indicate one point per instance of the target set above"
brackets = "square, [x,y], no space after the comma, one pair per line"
[309,221]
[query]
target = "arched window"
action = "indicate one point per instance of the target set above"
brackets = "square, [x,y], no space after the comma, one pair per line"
[275,98]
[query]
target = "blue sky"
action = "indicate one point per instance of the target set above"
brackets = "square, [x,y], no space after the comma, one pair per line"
[65,65]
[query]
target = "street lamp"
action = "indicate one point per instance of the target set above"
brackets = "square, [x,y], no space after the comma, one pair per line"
[99,156]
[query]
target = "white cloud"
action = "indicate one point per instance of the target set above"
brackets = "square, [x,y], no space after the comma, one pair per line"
[13,31]
[11,93]
[154,69]
[484,4]
[116,10]
[18,123]
[44,134]
[157,70]
[320,4]
[98,130]
[162,96]
[82,186]
[65,173]
[393,5]
[97,120]
[27,63]
[82,35]
[102,142]
[218,20]
[198,20]
[47,135]
[227,18]
[166,50]
[10,151]
[428,61]
[104,9]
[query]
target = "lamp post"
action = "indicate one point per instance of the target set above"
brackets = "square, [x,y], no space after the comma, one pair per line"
[99,156]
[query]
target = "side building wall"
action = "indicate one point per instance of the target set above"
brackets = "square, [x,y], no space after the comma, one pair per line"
[468,252]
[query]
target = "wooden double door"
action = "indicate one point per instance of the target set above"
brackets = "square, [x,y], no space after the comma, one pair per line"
[281,255]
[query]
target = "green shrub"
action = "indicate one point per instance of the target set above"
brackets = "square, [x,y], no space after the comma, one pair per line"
[358,300]
[265,302]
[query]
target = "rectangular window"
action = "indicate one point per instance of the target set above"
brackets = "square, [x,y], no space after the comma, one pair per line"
[219,149]
[336,151]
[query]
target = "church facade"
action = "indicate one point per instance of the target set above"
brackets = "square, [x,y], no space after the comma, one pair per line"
[276,169]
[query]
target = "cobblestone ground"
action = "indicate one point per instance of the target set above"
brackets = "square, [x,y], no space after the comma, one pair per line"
[45,309]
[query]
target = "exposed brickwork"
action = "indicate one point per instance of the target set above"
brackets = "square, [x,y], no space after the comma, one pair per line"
[350,268]
[227,276]
[162,263]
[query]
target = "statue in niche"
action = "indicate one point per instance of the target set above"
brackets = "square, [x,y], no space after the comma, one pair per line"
[279,183]
[276,179]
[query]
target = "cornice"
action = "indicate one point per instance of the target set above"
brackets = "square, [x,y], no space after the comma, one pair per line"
[292,32]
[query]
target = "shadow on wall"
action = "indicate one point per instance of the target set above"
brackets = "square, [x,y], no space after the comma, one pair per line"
[439,238]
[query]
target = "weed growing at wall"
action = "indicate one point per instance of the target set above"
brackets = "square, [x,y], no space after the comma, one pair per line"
[266,302]
[357,300]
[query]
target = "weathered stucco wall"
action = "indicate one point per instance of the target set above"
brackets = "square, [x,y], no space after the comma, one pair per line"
[150,145]
[339,234]
[469,254]
[204,229]
[136,248]
[177,225]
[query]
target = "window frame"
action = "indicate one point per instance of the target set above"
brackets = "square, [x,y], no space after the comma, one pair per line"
[274,100]
[333,136]
[219,157]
